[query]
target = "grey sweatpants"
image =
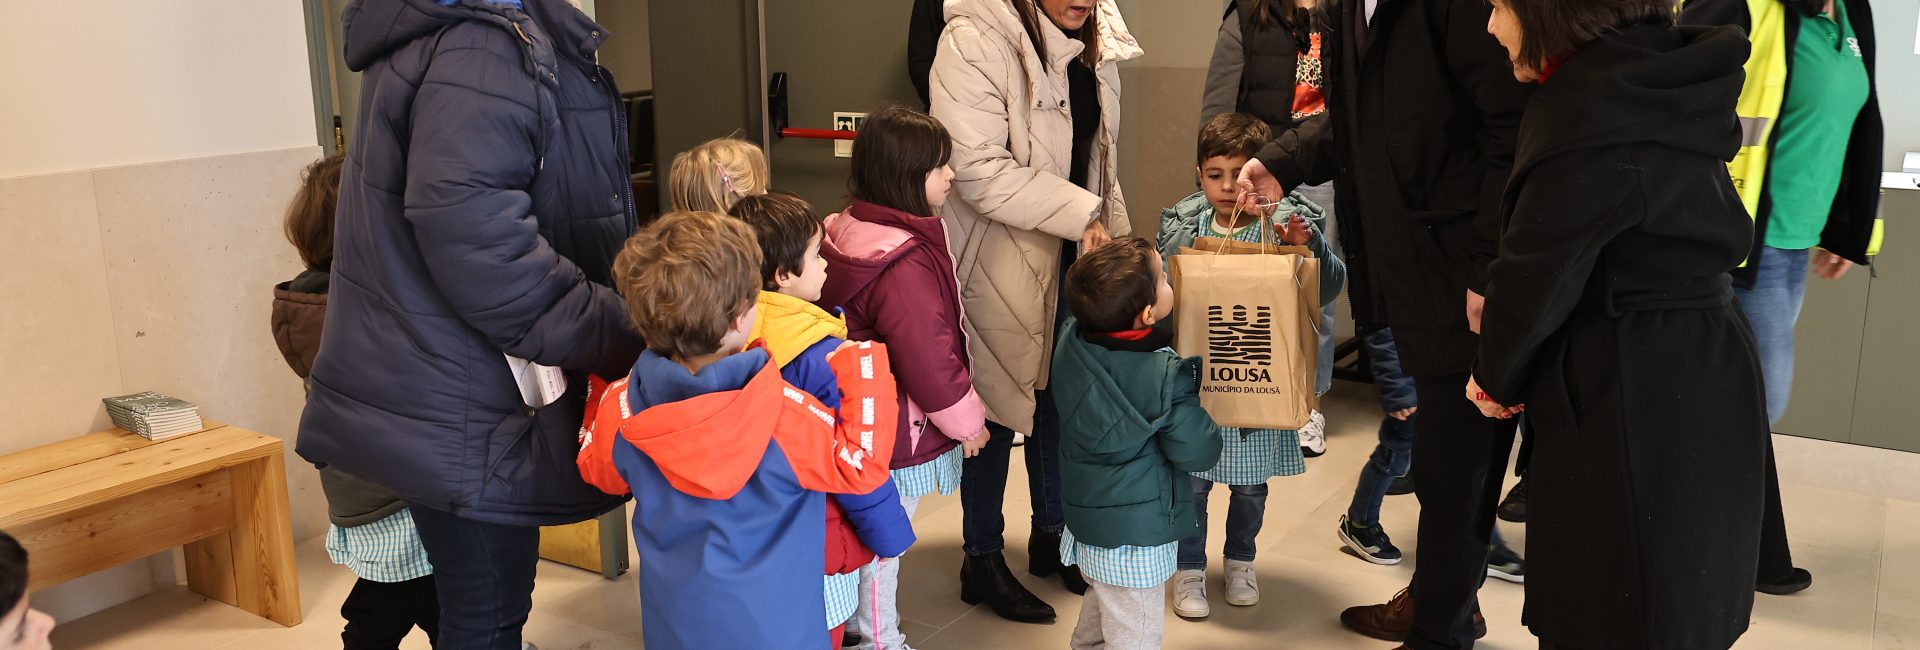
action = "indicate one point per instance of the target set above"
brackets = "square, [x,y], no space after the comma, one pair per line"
[1120,618]
[877,620]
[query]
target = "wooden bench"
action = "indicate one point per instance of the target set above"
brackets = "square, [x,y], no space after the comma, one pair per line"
[108,498]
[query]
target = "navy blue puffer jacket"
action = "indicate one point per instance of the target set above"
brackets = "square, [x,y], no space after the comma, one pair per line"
[484,196]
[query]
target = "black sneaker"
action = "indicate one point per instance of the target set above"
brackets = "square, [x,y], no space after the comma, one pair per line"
[1506,565]
[1400,485]
[1514,507]
[1369,542]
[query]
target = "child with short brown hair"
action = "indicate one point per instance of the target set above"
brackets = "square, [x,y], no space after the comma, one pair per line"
[800,336]
[728,462]
[1131,427]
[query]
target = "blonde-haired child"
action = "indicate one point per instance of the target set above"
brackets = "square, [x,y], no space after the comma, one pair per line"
[716,174]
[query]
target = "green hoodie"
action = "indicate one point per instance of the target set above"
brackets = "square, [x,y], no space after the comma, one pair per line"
[1131,430]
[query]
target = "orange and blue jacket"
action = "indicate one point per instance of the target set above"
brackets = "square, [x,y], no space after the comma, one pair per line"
[801,336]
[729,468]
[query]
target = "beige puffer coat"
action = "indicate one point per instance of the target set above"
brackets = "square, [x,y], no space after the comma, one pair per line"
[1012,205]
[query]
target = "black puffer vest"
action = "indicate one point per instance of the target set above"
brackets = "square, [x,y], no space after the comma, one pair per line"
[1272,57]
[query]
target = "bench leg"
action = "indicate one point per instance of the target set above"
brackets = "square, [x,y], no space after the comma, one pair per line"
[251,566]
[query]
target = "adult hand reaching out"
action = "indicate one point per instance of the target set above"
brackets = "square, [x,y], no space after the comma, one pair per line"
[1256,183]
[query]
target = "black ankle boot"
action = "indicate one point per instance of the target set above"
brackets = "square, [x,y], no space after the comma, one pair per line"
[987,579]
[1043,560]
[1043,554]
[1070,576]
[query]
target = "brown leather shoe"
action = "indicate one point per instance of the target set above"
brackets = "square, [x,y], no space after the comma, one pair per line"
[1391,621]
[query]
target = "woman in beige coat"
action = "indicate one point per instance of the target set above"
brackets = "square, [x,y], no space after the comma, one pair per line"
[1030,90]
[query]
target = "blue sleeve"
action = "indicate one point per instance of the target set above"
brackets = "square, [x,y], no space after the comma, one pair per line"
[1333,270]
[878,519]
[810,372]
[470,159]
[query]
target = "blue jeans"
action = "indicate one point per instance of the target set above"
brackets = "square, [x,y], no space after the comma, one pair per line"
[1394,455]
[1323,195]
[983,478]
[1323,375]
[484,575]
[1772,307]
[983,482]
[1246,511]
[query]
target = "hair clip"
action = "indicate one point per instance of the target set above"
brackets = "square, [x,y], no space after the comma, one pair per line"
[725,178]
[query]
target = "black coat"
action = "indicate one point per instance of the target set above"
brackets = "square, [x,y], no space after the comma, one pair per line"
[1422,112]
[484,196]
[1856,205]
[1271,54]
[1610,315]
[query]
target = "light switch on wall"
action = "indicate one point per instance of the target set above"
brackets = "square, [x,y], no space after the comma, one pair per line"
[843,121]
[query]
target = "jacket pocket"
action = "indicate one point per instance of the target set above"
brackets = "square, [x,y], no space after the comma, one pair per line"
[1440,218]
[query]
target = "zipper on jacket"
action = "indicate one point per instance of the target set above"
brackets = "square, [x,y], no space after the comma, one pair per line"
[600,75]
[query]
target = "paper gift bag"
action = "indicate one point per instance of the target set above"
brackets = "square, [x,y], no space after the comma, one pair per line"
[1251,313]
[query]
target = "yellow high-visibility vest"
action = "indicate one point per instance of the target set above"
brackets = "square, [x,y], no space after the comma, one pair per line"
[1759,108]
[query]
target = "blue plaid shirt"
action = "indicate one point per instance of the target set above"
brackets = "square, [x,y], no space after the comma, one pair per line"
[1251,456]
[843,596]
[1134,567]
[387,550]
[942,474]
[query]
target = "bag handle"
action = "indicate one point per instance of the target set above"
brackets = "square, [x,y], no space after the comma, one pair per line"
[1266,231]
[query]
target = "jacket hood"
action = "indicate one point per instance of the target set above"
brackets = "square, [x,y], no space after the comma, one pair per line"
[1086,388]
[706,431]
[789,325]
[1116,42]
[1675,86]
[372,29]
[859,251]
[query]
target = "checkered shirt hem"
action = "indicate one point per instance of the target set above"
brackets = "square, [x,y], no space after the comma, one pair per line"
[387,550]
[1134,567]
[1260,455]
[942,475]
[843,596]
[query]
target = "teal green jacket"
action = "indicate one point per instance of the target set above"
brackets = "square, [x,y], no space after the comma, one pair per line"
[1131,429]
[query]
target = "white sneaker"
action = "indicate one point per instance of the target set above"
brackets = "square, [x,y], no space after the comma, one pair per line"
[1313,436]
[1242,588]
[1190,594]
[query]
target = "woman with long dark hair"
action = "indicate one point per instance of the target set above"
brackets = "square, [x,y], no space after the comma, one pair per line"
[1030,90]
[1611,317]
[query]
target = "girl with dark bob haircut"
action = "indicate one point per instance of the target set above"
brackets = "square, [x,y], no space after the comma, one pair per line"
[1610,316]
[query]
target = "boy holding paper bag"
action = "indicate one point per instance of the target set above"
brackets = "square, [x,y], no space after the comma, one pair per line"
[1250,455]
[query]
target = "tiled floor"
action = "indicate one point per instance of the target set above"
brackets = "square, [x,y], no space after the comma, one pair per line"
[1864,551]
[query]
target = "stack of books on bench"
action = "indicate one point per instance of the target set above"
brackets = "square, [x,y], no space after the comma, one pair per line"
[154,416]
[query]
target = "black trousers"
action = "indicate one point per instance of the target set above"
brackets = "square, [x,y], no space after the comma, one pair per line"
[1776,559]
[1459,461]
[380,614]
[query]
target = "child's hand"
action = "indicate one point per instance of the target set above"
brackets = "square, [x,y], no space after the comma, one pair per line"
[972,447]
[1294,231]
[1403,414]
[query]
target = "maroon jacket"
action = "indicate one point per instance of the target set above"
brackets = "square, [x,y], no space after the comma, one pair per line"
[892,274]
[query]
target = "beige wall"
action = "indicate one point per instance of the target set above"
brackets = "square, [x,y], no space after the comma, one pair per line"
[1160,113]
[148,153]
[628,51]
[99,83]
